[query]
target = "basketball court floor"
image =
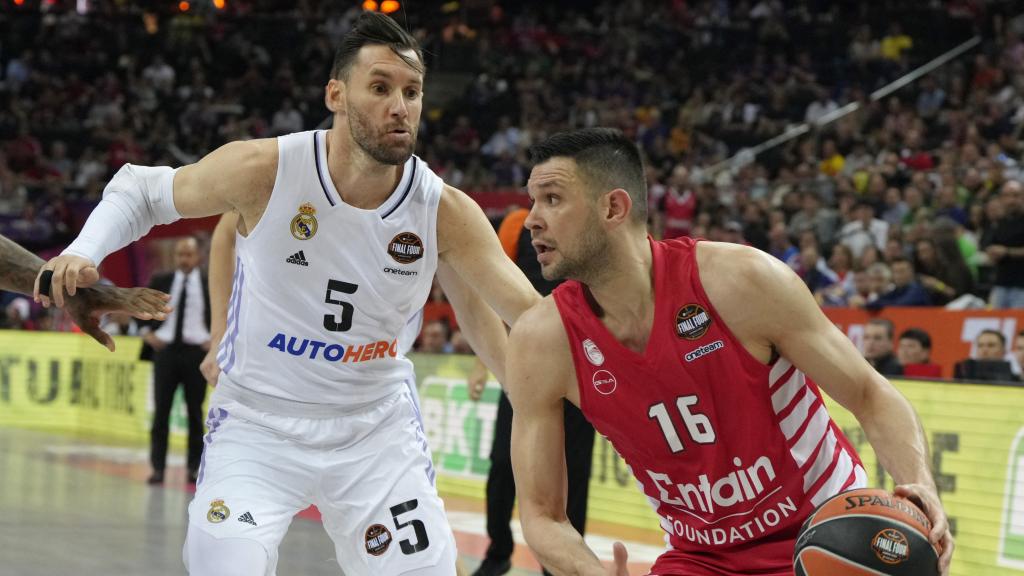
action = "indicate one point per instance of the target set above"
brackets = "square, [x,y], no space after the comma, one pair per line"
[72,506]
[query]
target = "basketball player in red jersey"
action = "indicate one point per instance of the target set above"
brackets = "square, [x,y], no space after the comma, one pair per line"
[690,357]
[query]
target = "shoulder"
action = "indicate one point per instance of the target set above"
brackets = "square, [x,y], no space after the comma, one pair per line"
[539,361]
[454,200]
[722,264]
[257,157]
[540,327]
[460,220]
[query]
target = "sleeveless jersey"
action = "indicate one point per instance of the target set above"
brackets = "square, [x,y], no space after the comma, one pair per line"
[732,454]
[326,296]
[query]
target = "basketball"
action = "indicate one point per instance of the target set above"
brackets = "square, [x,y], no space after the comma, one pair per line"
[865,531]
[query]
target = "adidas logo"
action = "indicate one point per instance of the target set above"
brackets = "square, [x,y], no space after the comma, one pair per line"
[247,518]
[298,258]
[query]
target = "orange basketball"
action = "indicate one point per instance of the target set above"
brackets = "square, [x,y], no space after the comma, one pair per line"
[866,532]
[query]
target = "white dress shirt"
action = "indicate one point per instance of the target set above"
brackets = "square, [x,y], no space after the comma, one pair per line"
[194,330]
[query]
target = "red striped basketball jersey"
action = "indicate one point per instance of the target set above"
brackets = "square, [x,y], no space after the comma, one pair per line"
[732,454]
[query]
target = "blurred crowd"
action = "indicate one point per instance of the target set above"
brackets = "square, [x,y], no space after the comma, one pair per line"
[911,200]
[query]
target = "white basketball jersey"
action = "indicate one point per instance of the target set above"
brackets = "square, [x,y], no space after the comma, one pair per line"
[326,295]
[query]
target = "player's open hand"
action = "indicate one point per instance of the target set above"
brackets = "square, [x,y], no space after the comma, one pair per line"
[63,273]
[89,304]
[927,500]
[621,557]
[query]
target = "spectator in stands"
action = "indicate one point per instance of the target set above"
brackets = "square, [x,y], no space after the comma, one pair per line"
[1006,249]
[813,216]
[989,363]
[914,354]
[780,245]
[945,276]
[878,347]
[434,338]
[678,206]
[906,290]
[864,230]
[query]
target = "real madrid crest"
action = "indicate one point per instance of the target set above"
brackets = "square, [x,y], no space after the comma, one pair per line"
[304,224]
[218,512]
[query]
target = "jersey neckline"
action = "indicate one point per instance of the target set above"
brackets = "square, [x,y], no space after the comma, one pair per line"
[647,356]
[393,201]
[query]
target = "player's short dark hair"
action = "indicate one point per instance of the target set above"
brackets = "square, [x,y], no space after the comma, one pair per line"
[918,335]
[890,328]
[996,333]
[375,29]
[607,160]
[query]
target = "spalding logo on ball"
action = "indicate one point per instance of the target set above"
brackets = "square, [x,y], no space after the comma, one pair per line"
[866,531]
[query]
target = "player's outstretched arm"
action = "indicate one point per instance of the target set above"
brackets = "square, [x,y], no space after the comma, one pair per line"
[778,310]
[18,269]
[238,175]
[480,324]
[467,243]
[221,270]
[539,373]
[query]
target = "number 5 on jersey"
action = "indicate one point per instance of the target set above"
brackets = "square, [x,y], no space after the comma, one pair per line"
[330,321]
[698,425]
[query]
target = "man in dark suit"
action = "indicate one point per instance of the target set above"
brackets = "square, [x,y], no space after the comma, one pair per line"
[177,347]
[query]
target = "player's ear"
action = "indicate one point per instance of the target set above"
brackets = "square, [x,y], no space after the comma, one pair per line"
[616,206]
[335,95]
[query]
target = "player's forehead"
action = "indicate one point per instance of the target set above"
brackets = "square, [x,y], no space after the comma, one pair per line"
[557,173]
[376,60]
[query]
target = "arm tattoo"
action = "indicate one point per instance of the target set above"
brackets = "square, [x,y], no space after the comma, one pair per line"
[18,267]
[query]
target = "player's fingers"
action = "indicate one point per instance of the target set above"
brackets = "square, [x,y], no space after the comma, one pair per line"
[71,279]
[92,328]
[621,559]
[57,285]
[41,290]
[88,276]
[947,554]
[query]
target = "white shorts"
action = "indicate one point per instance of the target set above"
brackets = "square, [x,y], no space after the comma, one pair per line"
[370,473]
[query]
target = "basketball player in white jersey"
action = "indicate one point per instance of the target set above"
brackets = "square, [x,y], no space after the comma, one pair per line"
[341,234]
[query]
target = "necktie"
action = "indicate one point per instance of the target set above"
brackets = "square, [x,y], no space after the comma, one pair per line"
[179,324]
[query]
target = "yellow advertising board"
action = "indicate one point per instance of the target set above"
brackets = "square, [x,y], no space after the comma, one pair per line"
[68,383]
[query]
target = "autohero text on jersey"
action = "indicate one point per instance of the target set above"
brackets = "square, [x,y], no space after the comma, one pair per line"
[314,349]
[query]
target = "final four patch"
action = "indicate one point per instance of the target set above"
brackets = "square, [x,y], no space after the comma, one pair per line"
[378,539]
[692,322]
[406,248]
[304,224]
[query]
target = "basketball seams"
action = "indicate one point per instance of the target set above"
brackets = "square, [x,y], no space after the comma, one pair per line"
[838,558]
[872,517]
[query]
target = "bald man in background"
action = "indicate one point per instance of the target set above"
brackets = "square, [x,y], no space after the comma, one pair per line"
[177,347]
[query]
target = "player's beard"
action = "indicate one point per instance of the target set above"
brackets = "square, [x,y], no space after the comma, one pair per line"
[585,260]
[372,141]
